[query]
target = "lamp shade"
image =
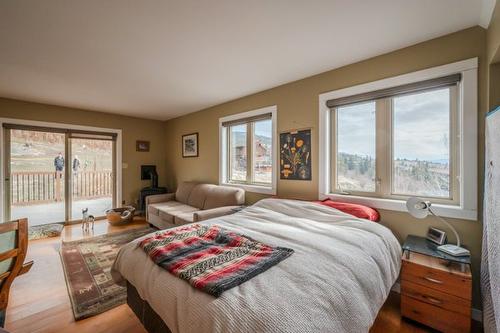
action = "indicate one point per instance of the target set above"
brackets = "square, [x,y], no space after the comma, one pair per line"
[418,207]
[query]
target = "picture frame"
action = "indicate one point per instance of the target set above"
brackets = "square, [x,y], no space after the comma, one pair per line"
[142,146]
[190,145]
[295,154]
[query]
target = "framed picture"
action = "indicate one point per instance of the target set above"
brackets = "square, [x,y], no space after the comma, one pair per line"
[142,146]
[295,155]
[190,145]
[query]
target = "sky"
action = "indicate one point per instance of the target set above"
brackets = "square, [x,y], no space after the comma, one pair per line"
[356,129]
[263,128]
[421,127]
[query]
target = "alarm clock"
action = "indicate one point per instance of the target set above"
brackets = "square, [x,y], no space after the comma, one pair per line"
[436,236]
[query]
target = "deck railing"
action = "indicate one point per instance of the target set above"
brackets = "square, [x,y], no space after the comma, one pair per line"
[34,187]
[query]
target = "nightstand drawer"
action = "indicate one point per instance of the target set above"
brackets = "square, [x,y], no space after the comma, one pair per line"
[433,316]
[437,298]
[430,277]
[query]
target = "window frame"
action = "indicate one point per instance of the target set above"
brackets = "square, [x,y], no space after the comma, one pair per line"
[465,123]
[384,150]
[224,152]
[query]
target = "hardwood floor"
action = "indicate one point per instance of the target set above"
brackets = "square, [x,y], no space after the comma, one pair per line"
[39,300]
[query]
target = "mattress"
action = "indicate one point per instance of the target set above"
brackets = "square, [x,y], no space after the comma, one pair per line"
[338,278]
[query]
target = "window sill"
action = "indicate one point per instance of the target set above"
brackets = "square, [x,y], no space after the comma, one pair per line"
[253,188]
[456,212]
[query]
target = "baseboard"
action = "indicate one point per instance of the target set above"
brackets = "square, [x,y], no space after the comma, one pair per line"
[476,314]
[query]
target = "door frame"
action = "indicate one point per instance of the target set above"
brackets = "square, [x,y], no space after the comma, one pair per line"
[3,157]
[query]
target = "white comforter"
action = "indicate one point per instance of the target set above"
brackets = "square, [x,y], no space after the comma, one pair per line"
[336,281]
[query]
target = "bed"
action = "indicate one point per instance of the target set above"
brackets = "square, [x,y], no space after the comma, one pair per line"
[338,278]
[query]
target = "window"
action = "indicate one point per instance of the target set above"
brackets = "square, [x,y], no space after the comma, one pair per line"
[247,150]
[411,135]
[238,153]
[262,162]
[414,154]
[356,148]
[425,172]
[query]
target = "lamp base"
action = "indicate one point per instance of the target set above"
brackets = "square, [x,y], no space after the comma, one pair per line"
[454,250]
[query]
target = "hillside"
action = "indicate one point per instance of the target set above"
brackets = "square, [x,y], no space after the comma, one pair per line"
[425,178]
[35,151]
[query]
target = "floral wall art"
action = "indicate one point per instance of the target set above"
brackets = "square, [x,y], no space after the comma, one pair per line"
[295,155]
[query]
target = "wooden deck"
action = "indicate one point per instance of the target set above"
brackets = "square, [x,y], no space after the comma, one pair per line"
[43,213]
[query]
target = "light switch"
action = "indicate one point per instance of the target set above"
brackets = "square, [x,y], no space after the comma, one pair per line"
[124,165]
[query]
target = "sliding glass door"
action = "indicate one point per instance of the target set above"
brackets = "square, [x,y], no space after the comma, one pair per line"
[92,176]
[35,176]
[51,175]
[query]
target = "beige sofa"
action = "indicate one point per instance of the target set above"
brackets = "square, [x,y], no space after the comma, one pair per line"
[192,202]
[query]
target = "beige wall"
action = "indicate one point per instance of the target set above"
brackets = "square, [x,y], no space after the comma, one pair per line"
[132,129]
[298,108]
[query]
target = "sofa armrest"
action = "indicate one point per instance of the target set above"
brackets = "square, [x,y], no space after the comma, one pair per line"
[155,198]
[202,215]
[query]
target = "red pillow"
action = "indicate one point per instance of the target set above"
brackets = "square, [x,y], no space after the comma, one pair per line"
[360,211]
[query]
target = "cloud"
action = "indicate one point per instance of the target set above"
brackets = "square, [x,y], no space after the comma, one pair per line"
[421,126]
[356,129]
[263,128]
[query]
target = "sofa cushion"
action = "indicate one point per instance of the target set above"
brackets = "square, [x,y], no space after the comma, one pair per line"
[183,191]
[153,209]
[199,195]
[184,218]
[219,196]
[168,213]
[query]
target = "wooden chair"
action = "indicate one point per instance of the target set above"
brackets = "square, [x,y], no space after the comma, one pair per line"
[17,255]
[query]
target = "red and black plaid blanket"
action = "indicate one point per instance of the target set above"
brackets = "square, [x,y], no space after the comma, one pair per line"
[211,258]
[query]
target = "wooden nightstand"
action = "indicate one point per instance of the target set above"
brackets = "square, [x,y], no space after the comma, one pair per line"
[436,289]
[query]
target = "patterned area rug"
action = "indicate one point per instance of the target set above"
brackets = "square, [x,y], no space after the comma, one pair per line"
[45,231]
[87,265]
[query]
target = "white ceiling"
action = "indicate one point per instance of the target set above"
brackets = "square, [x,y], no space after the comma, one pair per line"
[161,59]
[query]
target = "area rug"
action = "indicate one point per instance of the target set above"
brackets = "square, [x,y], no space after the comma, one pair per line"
[45,231]
[87,265]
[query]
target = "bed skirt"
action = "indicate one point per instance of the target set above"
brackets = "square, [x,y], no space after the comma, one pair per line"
[148,317]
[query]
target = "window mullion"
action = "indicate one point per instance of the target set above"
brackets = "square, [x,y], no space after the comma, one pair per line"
[454,142]
[229,170]
[250,134]
[383,147]
[333,152]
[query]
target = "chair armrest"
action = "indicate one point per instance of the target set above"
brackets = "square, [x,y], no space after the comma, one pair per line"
[25,268]
[214,212]
[155,198]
